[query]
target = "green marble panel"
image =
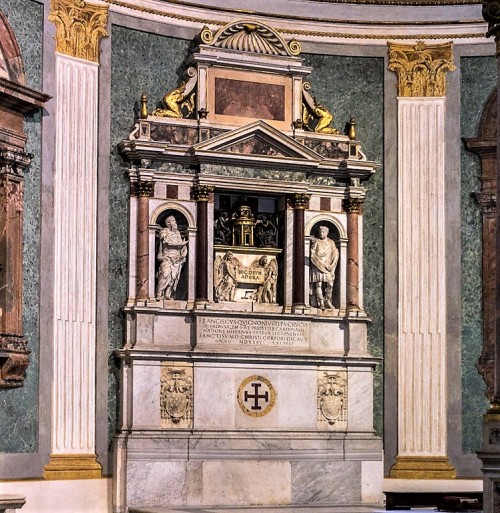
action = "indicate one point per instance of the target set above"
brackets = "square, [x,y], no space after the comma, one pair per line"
[354,86]
[140,63]
[19,407]
[478,82]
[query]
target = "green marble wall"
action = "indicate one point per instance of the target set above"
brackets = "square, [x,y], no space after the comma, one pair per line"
[354,86]
[478,82]
[140,63]
[19,407]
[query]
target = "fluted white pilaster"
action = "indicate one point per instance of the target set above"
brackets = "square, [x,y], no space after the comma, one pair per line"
[75,201]
[422,415]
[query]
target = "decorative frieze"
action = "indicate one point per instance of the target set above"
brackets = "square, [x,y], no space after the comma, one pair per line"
[80,25]
[421,69]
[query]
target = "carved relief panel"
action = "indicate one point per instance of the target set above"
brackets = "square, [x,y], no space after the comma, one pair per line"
[176,395]
[332,400]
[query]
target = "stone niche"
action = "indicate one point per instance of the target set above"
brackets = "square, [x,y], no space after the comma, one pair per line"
[245,373]
[16,100]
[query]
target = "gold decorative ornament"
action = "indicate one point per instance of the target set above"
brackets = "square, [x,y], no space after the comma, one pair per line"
[144,107]
[80,25]
[352,129]
[250,36]
[311,110]
[421,69]
[179,102]
[256,396]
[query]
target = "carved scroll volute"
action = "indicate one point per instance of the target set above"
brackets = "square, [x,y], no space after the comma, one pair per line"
[491,14]
[421,69]
[80,26]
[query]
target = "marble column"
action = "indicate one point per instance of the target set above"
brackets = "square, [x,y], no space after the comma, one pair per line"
[299,202]
[79,27]
[201,194]
[144,190]
[490,450]
[352,206]
[422,405]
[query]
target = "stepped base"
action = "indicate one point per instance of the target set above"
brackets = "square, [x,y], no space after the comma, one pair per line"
[262,509]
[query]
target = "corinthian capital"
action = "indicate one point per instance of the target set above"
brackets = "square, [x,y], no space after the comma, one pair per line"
[421,68]
[80,26]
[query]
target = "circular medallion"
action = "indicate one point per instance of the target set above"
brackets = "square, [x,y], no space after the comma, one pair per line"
[256,396]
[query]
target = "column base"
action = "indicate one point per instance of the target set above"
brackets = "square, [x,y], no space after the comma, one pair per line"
[73,466]
[422,467]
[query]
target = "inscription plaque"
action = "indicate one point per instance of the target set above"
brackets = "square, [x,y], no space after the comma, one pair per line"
[252,332]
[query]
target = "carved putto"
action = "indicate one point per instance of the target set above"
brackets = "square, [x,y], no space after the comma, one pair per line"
[332,397]
[179,102]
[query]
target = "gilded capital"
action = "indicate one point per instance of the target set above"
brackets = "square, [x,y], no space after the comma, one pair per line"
[201,192]
[145,189]
[80,25]
[299,200]
[491,14]
[421,69]
[352,205]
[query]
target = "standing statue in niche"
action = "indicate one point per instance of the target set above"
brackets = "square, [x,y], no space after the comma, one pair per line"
[324,258]
[172,256]
[225,277]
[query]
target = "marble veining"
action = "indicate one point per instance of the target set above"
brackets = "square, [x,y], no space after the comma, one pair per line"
[478,82]
[19,407]
[354,86]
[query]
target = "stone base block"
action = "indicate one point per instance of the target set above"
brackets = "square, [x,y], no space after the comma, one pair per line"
[422,467]
[73,466]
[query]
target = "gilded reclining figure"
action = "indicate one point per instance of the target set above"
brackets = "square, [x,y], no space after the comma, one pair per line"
[174,102]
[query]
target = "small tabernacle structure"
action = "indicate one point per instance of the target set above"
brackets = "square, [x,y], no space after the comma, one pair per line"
[245,373]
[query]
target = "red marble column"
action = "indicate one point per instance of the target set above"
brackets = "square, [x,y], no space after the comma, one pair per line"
[201,194]
[299,202]
[144,191]
[352,206]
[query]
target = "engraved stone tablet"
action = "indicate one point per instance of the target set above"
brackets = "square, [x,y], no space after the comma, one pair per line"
[252,332]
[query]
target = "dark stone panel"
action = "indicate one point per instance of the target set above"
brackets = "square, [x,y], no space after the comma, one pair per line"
[478,82]
[354,86]
[19,407]
[140,63]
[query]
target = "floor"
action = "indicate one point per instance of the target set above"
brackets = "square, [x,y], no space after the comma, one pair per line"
[284,509]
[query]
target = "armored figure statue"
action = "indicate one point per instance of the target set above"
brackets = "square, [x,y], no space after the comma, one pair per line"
[324,257]
[172,256]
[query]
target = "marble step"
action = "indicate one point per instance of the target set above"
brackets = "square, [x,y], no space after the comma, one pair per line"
[264,509]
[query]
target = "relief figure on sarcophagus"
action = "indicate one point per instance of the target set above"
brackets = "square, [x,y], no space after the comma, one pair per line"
[172,254]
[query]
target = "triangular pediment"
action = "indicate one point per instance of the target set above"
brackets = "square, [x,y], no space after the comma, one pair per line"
[257,139]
